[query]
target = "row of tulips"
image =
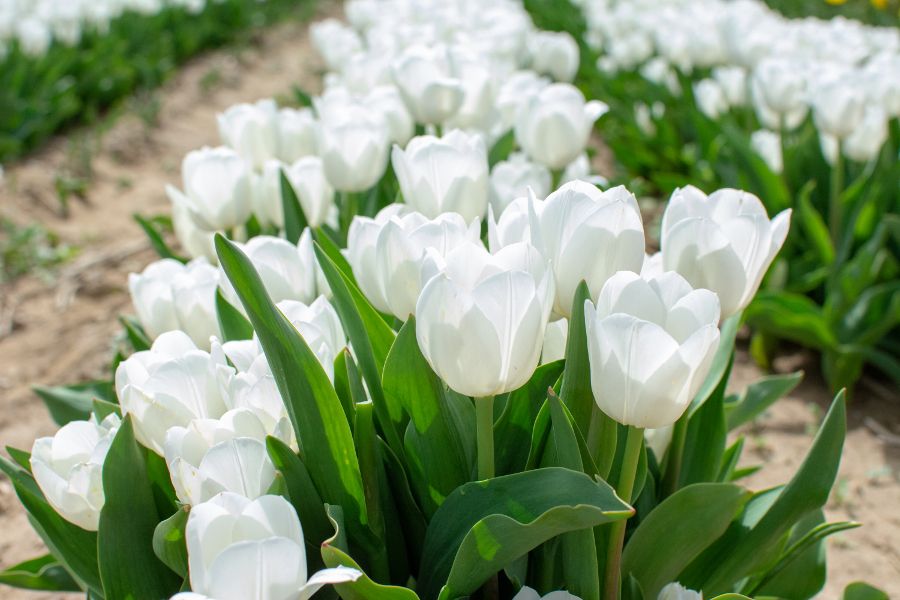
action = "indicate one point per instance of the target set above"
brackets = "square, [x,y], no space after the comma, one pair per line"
[801,112]
[416,351]
[63,63]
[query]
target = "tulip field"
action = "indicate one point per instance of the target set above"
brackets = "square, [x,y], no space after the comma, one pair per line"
[444,299]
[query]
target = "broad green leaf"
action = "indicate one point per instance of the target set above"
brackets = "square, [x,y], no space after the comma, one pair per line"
[42,573]
[137,337]
[485,525]
[128,566]
[329,247]
[705,438]
[169,543]
[156,239]
[813,225]
[435,445]
[371,339]
[790,316]
[502,148]
[334,554]
[233,325]
[365,440]
[21,457]
[294,219]
[759,396]
[675,533]
[512,431]
[315,410]
[74,547]
[102,409]
[408,512]
[74,402]
[859,590]
[808,490]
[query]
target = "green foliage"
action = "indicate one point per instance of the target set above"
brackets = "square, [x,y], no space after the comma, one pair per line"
[29,249]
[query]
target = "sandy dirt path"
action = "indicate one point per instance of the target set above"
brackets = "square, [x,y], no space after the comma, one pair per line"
[62,329]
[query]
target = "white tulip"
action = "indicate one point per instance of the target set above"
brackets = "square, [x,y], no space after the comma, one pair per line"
[316,196]
[733,81]
[554,127]
[514,94]
[527,593]
[658,440]
[297,134]
[446,174]
[651,342]
[428,81]
[480,320]
[838,108]
[186,447]
[251,130]
[555,54]
[479,91]
[724,242]
[335,42]
[387,254]
[34,37]
[68,468]
[865,142]
[710,98]
[243,549]
[676,591]
[216,188]
[555,338]
[511,179]
[387,100]
[768,145]
[171,384]
[354,148]
[587,235]
[778,88]
[659,71]
[196,242]
[168,295]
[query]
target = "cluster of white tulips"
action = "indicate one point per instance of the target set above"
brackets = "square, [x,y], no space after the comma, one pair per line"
[488,259]
[35,24]
[743,54]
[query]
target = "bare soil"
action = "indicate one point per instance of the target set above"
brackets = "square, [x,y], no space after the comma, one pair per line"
[59,331]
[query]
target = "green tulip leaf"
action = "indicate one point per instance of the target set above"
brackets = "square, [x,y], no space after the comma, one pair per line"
[792,317]
[371,339]
[75,548]
[484,526]
[41,573]
[759,396]
[859,590]
[136,335]
[129,567]
[330,247]
[678,530]
[156,239]
[705,438]
[233,325]
[169,543]
[294,219]
[314,408]
[74,402]
[721,362]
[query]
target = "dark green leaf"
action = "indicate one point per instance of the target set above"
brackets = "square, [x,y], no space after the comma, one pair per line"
[759,396]
[233,325]
[859,590]
[74,402]
[485,525]
[790,316]
[42,573]
[128,566]
[156,239]
[294,219]
[138,339]
[169,543]
[721,362]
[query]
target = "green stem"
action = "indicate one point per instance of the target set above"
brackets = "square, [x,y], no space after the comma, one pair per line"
[624,488]
[484,426]
[556,176]
[836,210]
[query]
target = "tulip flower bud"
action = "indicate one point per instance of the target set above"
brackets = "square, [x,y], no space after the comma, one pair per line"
[216,189]
[554,127]
[651,342]
[676,591]
[768,145]
[196,242]
[838,108]
[710,98]
[171,384]
[251,130]
[480,320]
[514,94]
[555,54]
[511,179]
[240,548]
[724,242]
[865,142]
[168,295]
[387,254]
[354,148]
[297,134]
[68,468]
[587,235]
[779,87]
[527,593]
[733,81]
[447,174]
[429,83]
[387,100]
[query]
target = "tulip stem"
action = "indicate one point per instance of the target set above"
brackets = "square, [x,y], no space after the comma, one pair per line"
[836,210]
[484,425]
[624,487]
[556,176]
